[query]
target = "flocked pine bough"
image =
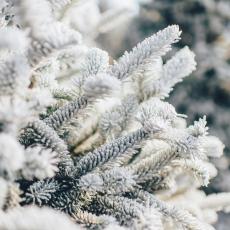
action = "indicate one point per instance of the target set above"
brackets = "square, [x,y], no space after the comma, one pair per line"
[96,146]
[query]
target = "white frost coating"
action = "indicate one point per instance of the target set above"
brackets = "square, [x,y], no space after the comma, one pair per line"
[8,41]
[40,163]
[179,66]
[153,47]
[156,108]
[96,61]
[33,13]
[14,75]
[212,146]
[101,85]
[33,218]
[11,155]
[219,201]
[59,4]
[199,127]
[58,35]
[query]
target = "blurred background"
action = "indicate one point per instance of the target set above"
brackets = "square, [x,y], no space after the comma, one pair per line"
[118,25]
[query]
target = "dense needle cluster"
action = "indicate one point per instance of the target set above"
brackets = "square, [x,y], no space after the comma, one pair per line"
[95,146]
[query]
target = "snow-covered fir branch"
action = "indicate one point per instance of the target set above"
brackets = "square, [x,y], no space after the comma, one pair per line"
[87,143]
